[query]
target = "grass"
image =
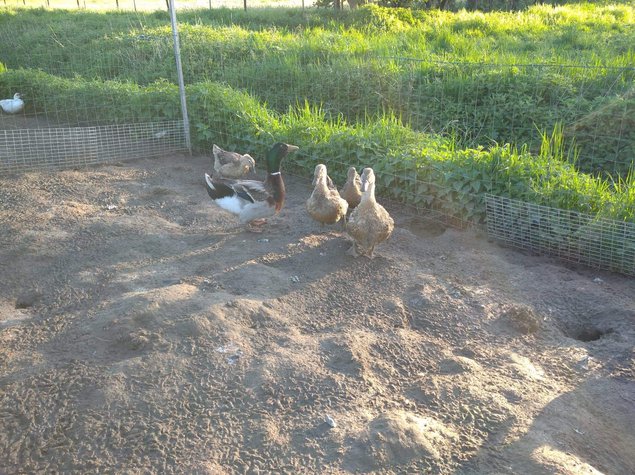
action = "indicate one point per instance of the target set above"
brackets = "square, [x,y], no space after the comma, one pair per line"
[480,78]
[582,35]
[420,169]
[446,106]
[146,5]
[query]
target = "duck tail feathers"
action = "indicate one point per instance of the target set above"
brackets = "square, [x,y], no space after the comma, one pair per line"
[208,182]
[211,189]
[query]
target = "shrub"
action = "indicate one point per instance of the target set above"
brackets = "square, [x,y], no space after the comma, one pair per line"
[79,101]
[412,167]
[607,136]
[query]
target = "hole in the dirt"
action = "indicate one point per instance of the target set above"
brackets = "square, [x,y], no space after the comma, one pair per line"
[27,299]
[24,302]
[426,227]
[589,334]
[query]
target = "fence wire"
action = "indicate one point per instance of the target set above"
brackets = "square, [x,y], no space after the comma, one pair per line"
[476,104]
[73,147]
[78,110]
[569,235]
[115,98]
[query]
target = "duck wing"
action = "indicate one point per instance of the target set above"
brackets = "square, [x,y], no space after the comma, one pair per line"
[10,106]
[248,190]
[251,190]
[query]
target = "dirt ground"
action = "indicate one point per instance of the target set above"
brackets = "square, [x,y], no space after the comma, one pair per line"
[143,331]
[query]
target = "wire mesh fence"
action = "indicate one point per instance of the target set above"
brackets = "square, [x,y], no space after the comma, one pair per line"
[94,98]
[476,104]
[151,5]
[73,147]
[572,236]
[78,110]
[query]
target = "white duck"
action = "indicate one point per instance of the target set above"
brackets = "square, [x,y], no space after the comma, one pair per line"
[12,106]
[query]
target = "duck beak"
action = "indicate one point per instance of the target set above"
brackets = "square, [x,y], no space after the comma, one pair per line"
[364,185]
[292,148]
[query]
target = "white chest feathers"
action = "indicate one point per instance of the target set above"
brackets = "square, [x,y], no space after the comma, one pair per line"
[233,204]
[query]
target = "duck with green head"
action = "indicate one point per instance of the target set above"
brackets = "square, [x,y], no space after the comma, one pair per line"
[251,200]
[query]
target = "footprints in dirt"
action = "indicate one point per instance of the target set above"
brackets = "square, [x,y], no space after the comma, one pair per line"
[395,421]
[400,437]
[256,280]
[349,354]
[458,365]
[406,379]
[519,320]
[525,368]
[523,321]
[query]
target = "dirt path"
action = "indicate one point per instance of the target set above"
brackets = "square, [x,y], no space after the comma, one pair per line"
[141,331]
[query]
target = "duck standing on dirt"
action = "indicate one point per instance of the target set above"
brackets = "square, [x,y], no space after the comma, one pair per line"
[12,106]
[231,164]
[325,204]
[369,223]
[352,189]
[251,200]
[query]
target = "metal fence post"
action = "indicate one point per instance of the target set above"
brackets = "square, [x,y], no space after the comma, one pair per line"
[179,72]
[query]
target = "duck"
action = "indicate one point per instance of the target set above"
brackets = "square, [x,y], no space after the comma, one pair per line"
[369,224]
[253,201]
[329,182]
[352,189]
[325,205]
[12,106]
[232,165]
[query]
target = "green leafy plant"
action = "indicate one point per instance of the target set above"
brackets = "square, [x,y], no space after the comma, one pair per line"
[351,89]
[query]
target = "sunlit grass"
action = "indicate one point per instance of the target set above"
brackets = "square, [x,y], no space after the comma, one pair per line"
[148,5]
[583,34]
[466,103]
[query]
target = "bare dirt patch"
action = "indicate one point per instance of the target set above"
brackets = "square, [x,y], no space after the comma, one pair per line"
[141,330]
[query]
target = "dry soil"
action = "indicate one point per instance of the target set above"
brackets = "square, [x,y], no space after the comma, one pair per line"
[143,331]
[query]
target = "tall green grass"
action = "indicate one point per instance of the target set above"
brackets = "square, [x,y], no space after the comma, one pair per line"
[416,168]
[446,107]
[583,34]
[479,78]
